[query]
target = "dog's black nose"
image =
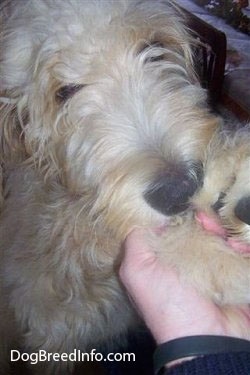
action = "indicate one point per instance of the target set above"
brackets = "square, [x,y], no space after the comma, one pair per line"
[170,192]
[242,209]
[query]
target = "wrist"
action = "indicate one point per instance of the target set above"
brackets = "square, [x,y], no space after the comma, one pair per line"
[163,333]
[166,329]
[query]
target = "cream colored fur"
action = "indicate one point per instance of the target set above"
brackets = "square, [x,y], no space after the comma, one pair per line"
[75,170]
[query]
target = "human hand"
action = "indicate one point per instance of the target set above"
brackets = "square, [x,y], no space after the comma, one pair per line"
[169,308]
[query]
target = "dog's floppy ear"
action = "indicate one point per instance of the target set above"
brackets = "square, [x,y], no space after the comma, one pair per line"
[15,73]
[12,121]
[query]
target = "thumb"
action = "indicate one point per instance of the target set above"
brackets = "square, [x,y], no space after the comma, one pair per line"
[137,244]
[137,251]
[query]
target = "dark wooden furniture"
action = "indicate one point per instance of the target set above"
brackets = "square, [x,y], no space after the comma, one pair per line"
[210,54]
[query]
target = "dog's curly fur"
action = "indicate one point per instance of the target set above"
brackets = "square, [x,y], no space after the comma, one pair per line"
[102,116]
[216,263]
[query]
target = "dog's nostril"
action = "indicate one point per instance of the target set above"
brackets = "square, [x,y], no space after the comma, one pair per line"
[242,210]
[170,192]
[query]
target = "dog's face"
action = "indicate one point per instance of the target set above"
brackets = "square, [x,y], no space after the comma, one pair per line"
[103,95]
[225,194]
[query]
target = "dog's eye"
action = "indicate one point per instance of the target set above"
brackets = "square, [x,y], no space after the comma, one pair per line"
[66,92]
[158,56]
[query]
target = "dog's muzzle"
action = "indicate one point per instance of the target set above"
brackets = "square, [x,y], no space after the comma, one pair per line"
[171,190]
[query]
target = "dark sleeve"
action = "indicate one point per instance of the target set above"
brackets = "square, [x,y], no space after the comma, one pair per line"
[214,364]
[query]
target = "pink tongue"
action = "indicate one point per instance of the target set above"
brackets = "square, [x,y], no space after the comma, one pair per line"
[212,225]
[240,247]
